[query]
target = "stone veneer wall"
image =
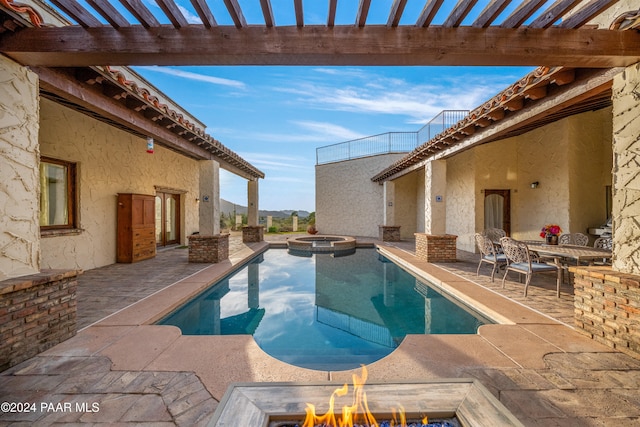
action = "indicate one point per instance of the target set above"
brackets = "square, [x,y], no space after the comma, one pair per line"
[389,233]
[607,307]
[36,313]
[436,247]
[626,171]
[19,176]
[208,249]
[252,233]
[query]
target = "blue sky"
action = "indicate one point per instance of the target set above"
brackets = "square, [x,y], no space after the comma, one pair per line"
[276,117]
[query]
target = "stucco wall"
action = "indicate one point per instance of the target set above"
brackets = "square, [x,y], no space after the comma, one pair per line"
[406,200]
[347,201]
[570,160]
[591,163]
[460,199]
[626,158]
[19,177]
[109,161]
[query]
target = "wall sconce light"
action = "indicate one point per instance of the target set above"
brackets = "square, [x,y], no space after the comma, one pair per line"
[535,184]
[149,145]
[197,200]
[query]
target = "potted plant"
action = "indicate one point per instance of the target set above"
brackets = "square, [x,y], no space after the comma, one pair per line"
[550,232]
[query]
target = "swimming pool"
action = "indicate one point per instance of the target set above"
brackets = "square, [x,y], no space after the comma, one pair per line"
[322,311]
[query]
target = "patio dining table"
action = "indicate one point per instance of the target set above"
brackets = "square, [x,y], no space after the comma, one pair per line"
[571,252]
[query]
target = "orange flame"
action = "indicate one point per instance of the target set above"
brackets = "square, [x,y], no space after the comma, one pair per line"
[357,413]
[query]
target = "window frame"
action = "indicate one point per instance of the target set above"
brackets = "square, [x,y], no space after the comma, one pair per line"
[72,204]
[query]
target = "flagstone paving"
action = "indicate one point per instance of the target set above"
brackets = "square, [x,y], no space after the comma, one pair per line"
[120,371]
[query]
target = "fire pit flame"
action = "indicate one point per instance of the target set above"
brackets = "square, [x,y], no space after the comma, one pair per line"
[356,414]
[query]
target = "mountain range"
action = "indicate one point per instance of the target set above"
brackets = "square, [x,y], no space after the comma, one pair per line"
[227,208]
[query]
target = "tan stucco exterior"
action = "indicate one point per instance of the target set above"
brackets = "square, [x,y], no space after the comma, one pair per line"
[347,201]
[109,161]
[570,159]
[19,178]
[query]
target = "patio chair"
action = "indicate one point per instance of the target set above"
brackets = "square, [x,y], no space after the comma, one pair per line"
[495,234]
[520,260]
[603,243]
[489,254]
[577,239]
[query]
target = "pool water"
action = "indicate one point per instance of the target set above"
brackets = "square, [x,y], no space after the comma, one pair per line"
[323,311]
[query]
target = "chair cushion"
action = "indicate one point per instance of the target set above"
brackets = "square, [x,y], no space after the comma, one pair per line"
[494,258]
[535,267]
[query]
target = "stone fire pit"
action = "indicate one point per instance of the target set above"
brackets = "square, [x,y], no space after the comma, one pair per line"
[270,404]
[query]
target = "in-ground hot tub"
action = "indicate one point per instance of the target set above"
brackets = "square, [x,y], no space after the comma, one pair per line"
[278,404]
[321,244]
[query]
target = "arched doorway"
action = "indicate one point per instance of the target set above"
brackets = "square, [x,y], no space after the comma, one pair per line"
[497,209]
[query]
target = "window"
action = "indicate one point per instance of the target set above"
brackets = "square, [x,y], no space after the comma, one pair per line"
[57,194]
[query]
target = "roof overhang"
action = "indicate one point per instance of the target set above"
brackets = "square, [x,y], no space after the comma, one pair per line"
[543,96]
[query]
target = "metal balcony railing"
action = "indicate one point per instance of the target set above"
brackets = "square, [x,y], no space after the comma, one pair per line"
[390,142]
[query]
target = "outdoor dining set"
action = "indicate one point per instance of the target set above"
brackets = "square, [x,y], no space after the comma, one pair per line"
[528,257]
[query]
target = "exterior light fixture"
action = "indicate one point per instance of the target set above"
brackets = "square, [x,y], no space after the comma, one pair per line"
[535,184]
[149,145]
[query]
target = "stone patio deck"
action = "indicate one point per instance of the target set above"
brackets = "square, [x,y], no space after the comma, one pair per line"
[141,374]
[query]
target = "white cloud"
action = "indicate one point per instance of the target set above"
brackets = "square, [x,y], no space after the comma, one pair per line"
[329,130]
[195,76]
[358,91]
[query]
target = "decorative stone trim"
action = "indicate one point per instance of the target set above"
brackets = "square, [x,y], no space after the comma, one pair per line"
[208,249]
[252,233]
[389,233]
[607,307]
[36,313]
[436,247]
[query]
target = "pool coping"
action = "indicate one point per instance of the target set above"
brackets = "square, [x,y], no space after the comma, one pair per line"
[130,340]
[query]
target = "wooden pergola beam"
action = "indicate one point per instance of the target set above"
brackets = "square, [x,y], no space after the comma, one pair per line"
[319,45]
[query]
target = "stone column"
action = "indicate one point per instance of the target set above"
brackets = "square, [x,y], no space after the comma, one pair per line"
[209,246]
[252,232]
[269,221]
[209,206]
[294,219]
[252,208]
[626,172]
[435,187]
[389,231]
[19,171]
[434,245]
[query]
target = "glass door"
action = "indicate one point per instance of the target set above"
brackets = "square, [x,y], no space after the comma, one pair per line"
[167,219]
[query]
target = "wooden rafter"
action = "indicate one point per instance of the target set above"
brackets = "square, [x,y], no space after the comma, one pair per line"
[297,4]
[267,12]
[77,13]
[363,11]
[397,8]
[173,13]
[587,13]
[554,13]
[203,11]
[331,15]
[459,12]
[428,13]
[522,13]
[141,13]
[236,13]
[108,12]
[490,13]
